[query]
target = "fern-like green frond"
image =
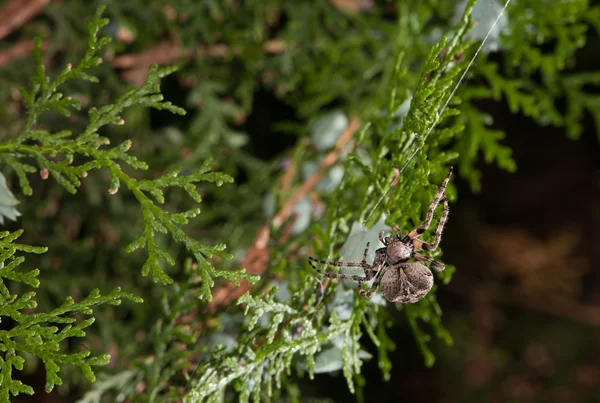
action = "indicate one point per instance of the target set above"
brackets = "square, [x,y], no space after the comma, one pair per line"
[68,158]
[41,334]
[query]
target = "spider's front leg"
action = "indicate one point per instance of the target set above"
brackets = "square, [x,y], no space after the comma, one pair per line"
[363,265]
[434,203]
[369,270]
[339,276]
[438,231]
[336,263]
[366,252]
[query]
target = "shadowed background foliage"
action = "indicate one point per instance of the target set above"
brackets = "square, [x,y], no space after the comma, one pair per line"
[269,87]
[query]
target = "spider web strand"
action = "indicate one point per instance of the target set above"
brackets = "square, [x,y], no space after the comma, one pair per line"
[441,111]
[460,80]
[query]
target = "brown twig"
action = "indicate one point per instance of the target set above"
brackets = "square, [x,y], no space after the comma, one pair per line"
[288,176]
[352,6]
[17,12]
[19,50]
[287,229]
[163,53]
[255,262]
[257,257]
[311,182]
[168,51]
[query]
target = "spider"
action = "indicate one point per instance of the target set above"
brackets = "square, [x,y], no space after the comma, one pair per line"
[400,280]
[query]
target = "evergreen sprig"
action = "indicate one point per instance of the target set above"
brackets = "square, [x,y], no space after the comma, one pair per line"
[41,334]
[56,153]
[532,79]
[292,333]
[157,219]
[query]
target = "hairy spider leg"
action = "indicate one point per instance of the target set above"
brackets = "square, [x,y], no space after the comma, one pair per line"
[434,263]
[341,276]
[420,245]
[368,269]
[368,293]
[397,230]
[429,217]
[371,271]
[338,263]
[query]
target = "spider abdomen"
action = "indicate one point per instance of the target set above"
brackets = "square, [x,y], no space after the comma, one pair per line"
[406,282]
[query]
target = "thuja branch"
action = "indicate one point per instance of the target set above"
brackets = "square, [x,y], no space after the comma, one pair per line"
[68,158]
[38,333]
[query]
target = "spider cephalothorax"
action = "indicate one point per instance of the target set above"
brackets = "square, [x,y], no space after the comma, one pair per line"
[399,279]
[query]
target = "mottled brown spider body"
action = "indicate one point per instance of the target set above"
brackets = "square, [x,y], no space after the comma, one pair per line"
[400,280]
[406,282]
[397,251]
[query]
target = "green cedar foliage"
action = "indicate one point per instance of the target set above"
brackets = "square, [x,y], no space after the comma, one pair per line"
[38,333]
[55,153]
[394,70]
[532,79]
[68,159]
